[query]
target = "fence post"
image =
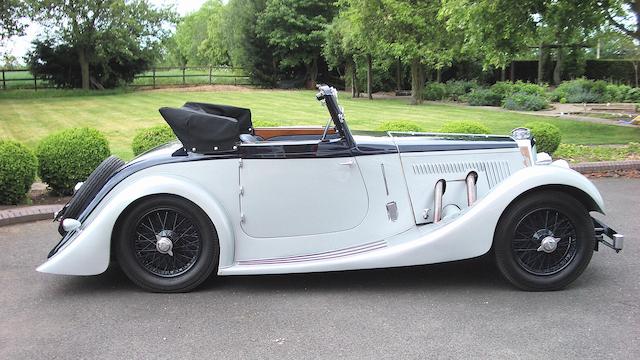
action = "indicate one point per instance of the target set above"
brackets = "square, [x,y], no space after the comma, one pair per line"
[35,82]
[4,83]
[210,70]
[183,79]
[154,77]
[235,80]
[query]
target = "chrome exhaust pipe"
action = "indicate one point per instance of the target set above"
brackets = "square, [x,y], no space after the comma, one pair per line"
[437,206]
[472,193]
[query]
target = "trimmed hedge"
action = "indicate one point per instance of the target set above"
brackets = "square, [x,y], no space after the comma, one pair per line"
[69,156]
[547,136]
[399,125]
[465,127]
[149,138]
[18,167]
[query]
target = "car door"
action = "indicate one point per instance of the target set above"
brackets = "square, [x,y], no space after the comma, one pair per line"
[300,188]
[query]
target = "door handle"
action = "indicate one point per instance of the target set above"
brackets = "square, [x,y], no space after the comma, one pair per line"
[347,163]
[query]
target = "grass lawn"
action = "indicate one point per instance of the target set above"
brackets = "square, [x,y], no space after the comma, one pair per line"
[28,117]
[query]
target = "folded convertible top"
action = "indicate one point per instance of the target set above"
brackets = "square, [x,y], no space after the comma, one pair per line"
[208,128]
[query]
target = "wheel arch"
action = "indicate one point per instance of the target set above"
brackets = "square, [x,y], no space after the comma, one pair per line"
[124,213]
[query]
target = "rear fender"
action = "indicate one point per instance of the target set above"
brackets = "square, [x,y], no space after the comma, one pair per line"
[88,252]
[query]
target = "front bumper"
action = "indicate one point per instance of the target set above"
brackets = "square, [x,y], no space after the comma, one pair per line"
[607,236]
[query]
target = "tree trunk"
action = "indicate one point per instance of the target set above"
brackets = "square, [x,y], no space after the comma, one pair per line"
[355,91]
[635,70]
[348,76]
[417,81]
[557,70]
[84,68]
[312,73]
[398,78]
[503,73]
[541,64]
[438,75]
[369,77]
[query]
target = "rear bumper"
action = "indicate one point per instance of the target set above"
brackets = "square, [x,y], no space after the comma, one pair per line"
[607,236]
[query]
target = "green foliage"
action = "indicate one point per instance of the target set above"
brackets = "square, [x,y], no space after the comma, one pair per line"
[265,123]
[525,102]
[465,127]
[590,153]
[399,125]
[18,167]
[435,91]
[296,29]
[547,136]
[199,37]
[484,97]
[102,37]
[149,138]
[458,88]
[11,14]
[506,88]
[589,91]
[69,156]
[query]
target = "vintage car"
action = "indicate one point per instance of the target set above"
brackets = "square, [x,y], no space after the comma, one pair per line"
[231,199]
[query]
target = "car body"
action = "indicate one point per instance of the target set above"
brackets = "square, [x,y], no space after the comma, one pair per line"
[296,200]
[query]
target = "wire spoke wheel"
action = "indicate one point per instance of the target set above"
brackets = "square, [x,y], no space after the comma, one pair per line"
[167,242]
[544,242]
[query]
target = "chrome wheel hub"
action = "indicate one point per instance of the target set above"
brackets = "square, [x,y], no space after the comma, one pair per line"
[164,245]
[549,244]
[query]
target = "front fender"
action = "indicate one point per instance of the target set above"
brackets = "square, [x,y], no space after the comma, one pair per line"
[88,252]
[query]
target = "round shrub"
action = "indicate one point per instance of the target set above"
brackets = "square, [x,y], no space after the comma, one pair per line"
[547,136]
[149,138]
[484,97]
[435,91]
[18,167]
[465,127]
[525,102]
[69,156]
[399,125]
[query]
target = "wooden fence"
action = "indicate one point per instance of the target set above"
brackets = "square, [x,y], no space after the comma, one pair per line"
[156,77]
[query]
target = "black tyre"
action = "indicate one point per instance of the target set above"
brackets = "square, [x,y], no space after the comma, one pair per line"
[92,186]
[544,241]
[167,244]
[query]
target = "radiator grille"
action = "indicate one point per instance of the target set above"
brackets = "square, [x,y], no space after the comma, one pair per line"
[496,171]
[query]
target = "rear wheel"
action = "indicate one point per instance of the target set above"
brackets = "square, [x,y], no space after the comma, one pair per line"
[544,241]
[167,244]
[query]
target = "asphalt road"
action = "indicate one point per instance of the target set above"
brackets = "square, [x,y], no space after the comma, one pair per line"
[457,310]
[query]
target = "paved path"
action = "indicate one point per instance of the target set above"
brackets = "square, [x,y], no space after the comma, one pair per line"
[459,310]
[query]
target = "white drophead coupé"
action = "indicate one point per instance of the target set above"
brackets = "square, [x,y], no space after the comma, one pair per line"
[231,199]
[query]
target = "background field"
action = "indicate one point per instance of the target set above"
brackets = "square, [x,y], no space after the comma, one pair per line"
[28,116]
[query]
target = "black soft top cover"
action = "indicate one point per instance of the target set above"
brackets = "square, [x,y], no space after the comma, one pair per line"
[208,128]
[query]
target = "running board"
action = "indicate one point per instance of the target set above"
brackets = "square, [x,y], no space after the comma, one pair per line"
[614,241]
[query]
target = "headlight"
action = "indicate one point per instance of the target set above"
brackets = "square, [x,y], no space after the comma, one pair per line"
[521,133]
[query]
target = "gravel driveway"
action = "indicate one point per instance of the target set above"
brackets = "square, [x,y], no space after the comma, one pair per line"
[456,310]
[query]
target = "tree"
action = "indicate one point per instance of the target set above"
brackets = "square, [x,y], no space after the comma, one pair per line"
[500,29]
[295,30]
[624,15]
[11,13]
[199,38]
[96,29]
[246,49]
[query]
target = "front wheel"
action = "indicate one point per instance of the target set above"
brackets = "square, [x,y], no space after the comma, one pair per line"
[167,244]
[544,241]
